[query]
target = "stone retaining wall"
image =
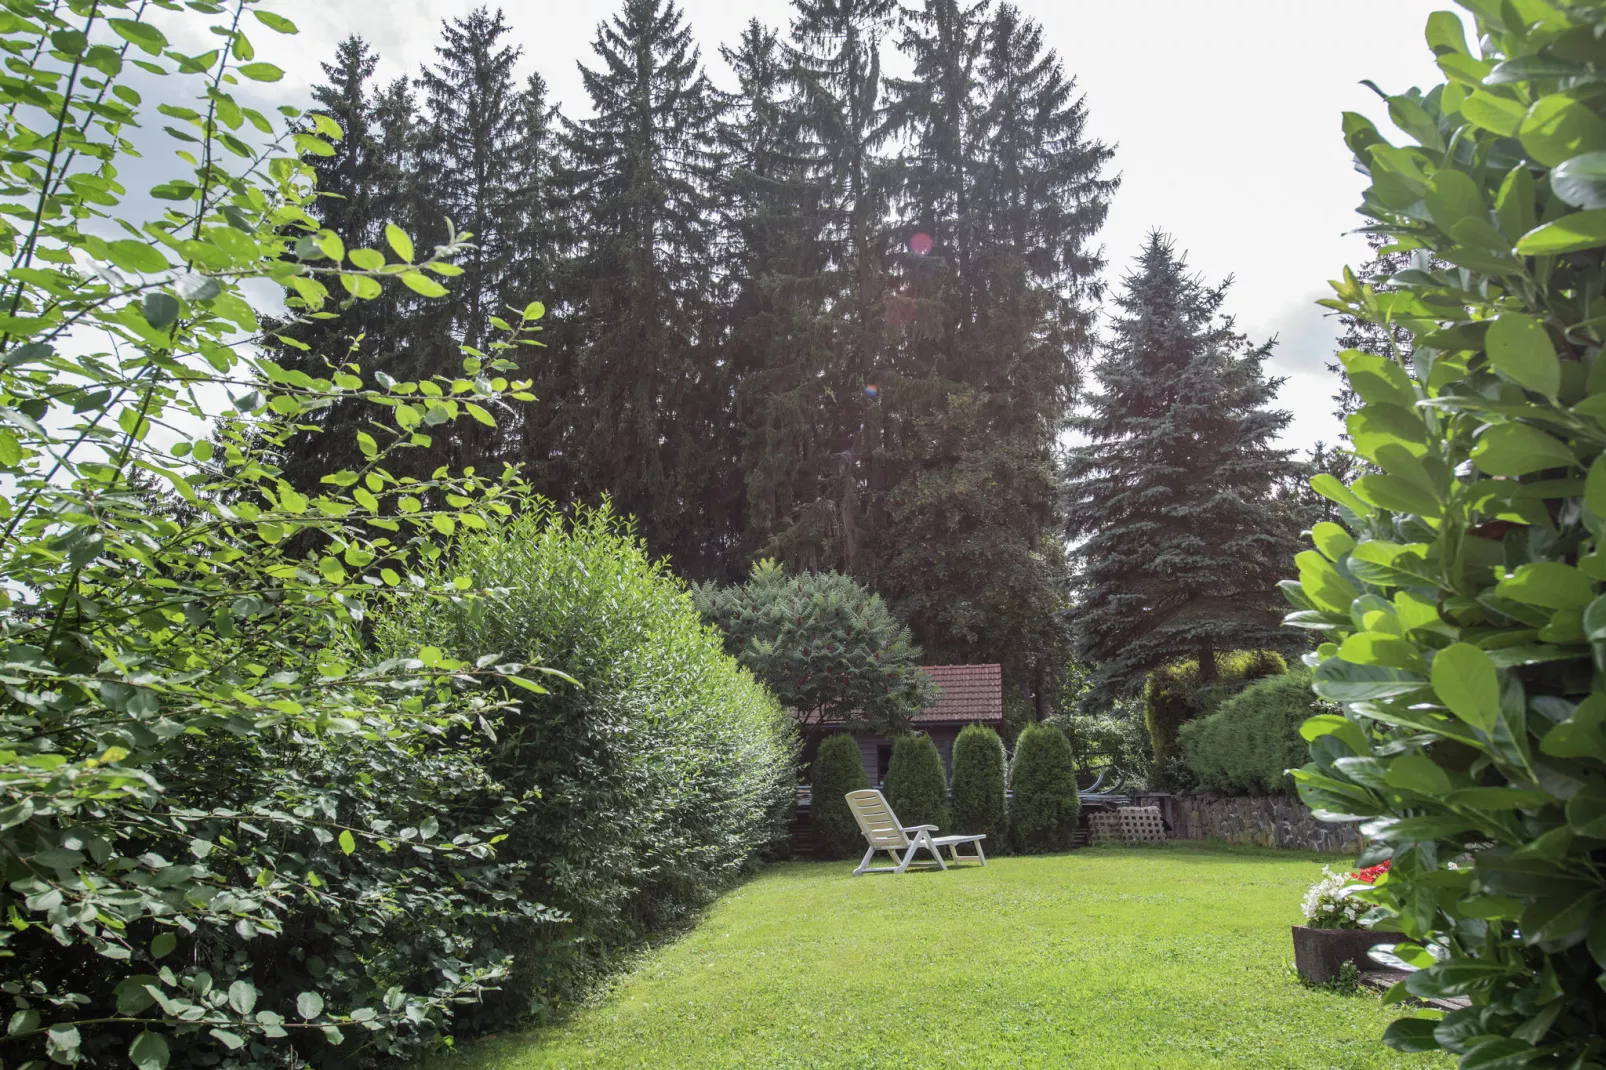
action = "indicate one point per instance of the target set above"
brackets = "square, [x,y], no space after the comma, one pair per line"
[1271,821]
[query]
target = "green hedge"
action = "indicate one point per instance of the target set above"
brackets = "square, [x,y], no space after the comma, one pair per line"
[651,785]
[837,770]
[1247,745]
[1043,776]
[978,795]
[1174,695]
[916,788]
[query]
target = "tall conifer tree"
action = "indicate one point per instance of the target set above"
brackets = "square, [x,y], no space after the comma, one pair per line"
[652,379]
[1171,495]
[1003,180]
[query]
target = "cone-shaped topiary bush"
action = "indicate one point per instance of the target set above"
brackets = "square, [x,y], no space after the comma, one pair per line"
[1247,746]
[837,770]
[979,773]
[916,788]
[1043,777]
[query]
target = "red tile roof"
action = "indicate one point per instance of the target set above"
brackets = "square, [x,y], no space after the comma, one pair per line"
[968,693]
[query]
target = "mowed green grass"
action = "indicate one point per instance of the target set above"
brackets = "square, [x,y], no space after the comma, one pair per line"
[1175,956]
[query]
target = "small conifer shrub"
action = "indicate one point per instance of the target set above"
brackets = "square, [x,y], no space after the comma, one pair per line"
[916,787]
[837,770]
[1043,777]
[979,777]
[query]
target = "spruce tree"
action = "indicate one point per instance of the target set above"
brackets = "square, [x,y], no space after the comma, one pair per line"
[1171,493]
[473,113]
[1000,292]
[369,180]
[651,378]
[778,345]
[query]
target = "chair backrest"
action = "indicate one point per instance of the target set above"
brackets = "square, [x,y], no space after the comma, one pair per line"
[876,819]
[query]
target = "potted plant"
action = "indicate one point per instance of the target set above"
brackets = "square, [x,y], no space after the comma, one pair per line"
[1332,934]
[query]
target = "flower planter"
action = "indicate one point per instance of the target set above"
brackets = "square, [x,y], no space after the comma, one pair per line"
[1319,953]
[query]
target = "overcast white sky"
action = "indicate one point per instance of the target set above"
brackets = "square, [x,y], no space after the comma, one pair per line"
[1225,114]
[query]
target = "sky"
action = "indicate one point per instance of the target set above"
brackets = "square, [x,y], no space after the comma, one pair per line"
[1224,115]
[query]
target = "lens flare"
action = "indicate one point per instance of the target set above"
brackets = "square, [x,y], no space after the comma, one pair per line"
[871,390]
[920,244]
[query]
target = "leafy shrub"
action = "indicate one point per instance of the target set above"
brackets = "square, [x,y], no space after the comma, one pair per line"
[656,781]
[229,835]
[837,770]
[916,787]
[1046,806]
[827,647]
[1460,598]
[978,793]
[1247,746]
[1174,695]
[1114,744]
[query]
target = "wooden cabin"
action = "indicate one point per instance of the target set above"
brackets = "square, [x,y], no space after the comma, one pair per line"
[968,694]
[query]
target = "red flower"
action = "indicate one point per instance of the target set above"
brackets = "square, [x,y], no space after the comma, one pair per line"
[1370,874]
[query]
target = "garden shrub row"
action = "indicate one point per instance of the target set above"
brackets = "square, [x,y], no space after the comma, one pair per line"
[1044,815]
[1176,694]
[648,785]
[1247,746]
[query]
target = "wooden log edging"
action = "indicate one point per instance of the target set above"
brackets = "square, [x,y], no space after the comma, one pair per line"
[1269,821]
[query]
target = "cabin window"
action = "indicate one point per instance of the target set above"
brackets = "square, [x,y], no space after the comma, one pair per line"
[883,761]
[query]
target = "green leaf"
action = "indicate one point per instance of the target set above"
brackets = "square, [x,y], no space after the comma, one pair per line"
[310,1004]
[1581,181]
[1494,113]
[1445,33]
[420,283]
[149,1051]
[1378,380]
[399,241]
[1569,234]
[1333,541]
[1323,584]
[139,34]
[1558,128]
[162,944]
[1467,684]
[1398,495]
[1419,773]
[1330,488]
[1341,681]
[1452,197]
[242,996]
[1515,449]
[348,844]
[231,1041]
[276,23]
[367,259]
[160,309]
[1595,487]
[262,72]
[136,256]
[1549,584]
[1520,349]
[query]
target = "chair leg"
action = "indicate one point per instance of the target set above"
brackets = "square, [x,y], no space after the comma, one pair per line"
[908,857]
[935,852]
[865,863]
[981,855]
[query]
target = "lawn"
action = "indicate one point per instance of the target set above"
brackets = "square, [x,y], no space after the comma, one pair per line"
[1106,958]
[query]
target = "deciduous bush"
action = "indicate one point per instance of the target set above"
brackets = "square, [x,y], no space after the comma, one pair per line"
[229,834]
[978,795]
[653,783]
[1046,806]
[824,644]
[1460,599]
[1113,744]
[916,787]
[837,770]
[1249,743]
[1177,694]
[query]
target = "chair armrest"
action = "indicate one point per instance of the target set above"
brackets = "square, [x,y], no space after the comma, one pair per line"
[920,828]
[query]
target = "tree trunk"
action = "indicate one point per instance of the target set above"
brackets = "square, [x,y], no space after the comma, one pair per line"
[1207,662]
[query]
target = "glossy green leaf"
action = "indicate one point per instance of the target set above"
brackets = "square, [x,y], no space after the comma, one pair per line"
[1581,181]
[1520,349]
[149,1051]
[1569,234]
[1558,128]
[1515,449]
[1547,583]
[1465,682]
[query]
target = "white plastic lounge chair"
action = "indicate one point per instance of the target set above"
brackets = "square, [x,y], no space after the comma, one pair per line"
[881,828]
